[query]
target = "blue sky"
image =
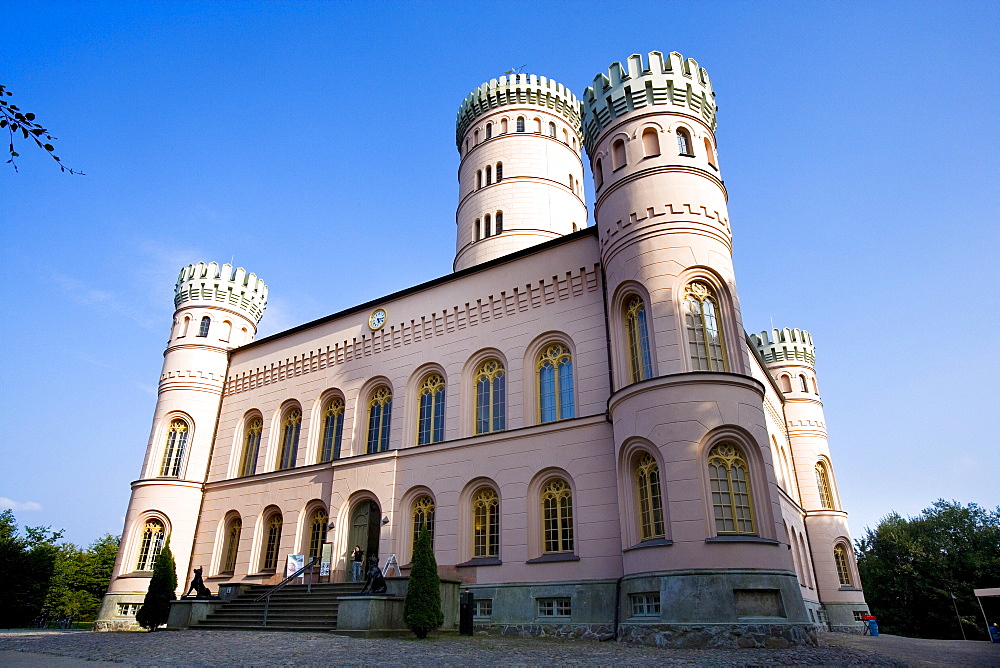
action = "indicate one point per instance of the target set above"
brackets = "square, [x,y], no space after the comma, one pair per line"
[313,142]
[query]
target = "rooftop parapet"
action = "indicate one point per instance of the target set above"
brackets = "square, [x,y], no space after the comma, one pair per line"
[672,81]
[222,285]
[785,345]
[517,89]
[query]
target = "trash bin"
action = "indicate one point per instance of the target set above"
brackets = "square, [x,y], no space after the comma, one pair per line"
[873,627]
[995,633]
[465,613]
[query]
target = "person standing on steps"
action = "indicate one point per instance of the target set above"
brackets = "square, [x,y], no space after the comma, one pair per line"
[358,558]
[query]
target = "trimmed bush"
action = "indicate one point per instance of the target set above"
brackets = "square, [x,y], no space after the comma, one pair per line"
[156,606]
[422,608]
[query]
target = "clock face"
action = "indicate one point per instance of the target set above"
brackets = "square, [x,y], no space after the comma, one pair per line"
[377,319]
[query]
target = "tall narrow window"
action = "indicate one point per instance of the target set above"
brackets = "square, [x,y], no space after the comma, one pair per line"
[475,137]
[499,223]
[503,126]
[785,383]
[499,172]
[430,421]
[803,386]
[552,130]
[251,446]
[538,125]
[486,523]
[650,142]
[520,123]
[823,485]
[272,541]
[150,544]
[731,496]
[478,237]
[206,322]
[710,152]
[491,400]
[479,179]
[333,430]
[227,331]
[599,173]
[379,414]
[618,154]
[705,341]
[290,439]
[843,570]
[647,481]
[317,533]
[173,453]
[565,136]
[232,546]
[555,384]
[489,175]
[423,518]
[557,516]
[486,226]
[684,142]
[489,130]
[640,363]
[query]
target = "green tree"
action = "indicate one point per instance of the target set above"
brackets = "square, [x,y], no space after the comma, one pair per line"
[156,606]
[911,567]
[26,566]
[422,607]
[80,579]
[20,122]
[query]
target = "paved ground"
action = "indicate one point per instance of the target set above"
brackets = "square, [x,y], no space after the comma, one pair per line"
[228,648]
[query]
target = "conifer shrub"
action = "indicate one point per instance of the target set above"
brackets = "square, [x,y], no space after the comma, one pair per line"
[422,608]
[156,606]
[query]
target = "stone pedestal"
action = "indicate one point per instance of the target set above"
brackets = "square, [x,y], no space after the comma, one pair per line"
[371,615]
[185,612]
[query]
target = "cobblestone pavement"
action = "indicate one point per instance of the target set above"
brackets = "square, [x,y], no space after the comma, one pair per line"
[920,652]
[229,648]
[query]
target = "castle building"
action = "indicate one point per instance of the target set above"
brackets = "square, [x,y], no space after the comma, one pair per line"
[575,414]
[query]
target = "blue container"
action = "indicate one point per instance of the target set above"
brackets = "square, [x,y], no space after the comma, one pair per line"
[873,627]
[994,634]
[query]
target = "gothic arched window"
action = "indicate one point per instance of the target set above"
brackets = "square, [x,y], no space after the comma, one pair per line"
[823,485]
[251,446]
[173,453]
[379,417]
[150,544]
[557,516]
[647,482]
[206,322]
[732,499]
[843,567]
[333,430]
[272,541]
[486,523]
[636,329]
[555,384]
[291,426]
[430,418]
[232,545]
[520,123]
[491,399]
[423,518]
[317,533]
[704,328]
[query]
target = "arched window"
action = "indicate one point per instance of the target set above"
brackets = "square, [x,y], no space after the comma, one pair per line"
[684,142]
[503,126]
[499,172]
[618,154]
[538,125]
[317,533]
[333,430]
[491,399]
[815,386]
[479,179]
[640,363]
[430,420]
[251,446]
[290,439]
[486,226]
[557,516]
[710,152]
[489,174]
[486,523]
[571,182]
[185,325]
[423,518]
[206,322]
[466,144]
[565,136]
[650,142]
[232,545]
[785,383]
[552,130]
[555,384]
[499,223]
[150,544]
[731,496]
[173,453]
[379,416]
[823,485]
[477,230]
[489,130]
[475,138]
[227,331]
[647,481]
[599,173]
[701,310]
[520,123]
[803,386]
[272,541]
[843,568]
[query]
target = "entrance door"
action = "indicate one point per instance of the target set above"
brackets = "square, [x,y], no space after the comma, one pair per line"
[365,527]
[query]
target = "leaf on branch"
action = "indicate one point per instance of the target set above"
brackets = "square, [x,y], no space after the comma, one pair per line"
[38,131]
[3,123]
[49,147]
[30,116]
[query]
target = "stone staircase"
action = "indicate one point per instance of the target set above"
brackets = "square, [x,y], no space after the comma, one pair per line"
[290,609]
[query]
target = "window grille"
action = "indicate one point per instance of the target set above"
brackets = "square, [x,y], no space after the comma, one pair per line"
[379,414]
[430,421]
[423,518]
[173,453]
[290,439]
[251,446]
[731,496]
[557,516]
[491,401]
[555,384]
[554,607]
[640,362]
[647,480]
[645,604]
[705,338]
[333,430]
[486,523]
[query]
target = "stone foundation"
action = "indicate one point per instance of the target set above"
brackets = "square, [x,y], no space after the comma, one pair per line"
[729,636]
[575,631]
[106,625]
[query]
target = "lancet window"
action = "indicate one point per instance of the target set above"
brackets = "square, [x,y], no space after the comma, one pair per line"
[251,446]
[637,332]
[150,544]
[823,485]
[173,452]
[291,427]
[232,545]
[491,400]
[647,482]
[272,541]
[423,518]
[379,418]
[704,328]
[732,499]
[317,532]
[486,523]
[557,516]
[430,419]
[333,430]
[843,566]
[555,384]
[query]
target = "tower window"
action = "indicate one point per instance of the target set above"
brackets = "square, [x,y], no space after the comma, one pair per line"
[802,383]
[618,154]
[430,416]
[843,569]
[206,322]
[479,179]
[710,152]
[486,226]
[489,174]
[555,384]
[732,500]
[650,142]
[173,453]
[486,523]
[489,130]
[491,400]
[599,173]
[823,486]
[684,142]
[475,138]
[333,430]
[640,362]
[565,136]
[150,545]
[477,230]
[520,123]
[499,223]
[290,439]
[705,339]
[499,172]
[379,414]
[503,126]
[538,125]
[552,130]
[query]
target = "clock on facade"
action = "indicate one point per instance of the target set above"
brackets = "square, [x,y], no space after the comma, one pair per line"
[377,319]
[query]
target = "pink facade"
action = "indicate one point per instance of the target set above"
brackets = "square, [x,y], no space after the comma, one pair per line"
[579,408]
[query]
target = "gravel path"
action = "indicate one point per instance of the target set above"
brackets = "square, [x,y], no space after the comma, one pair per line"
[229,648]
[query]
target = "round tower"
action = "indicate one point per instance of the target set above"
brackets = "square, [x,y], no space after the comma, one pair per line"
[521,174]
[216,309]
[790,358]
[684,406]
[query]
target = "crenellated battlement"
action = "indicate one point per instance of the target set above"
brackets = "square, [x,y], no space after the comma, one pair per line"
[517,89]
[785,345]
[655,80]
[222,285]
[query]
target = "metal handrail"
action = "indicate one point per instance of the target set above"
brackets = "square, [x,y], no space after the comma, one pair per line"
[266,596]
